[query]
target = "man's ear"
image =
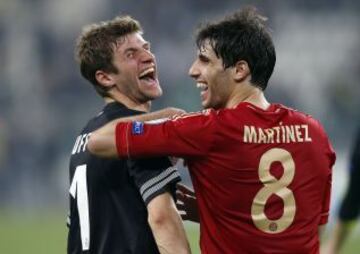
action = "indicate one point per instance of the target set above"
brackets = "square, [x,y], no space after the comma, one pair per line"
[241,70]
[104,79]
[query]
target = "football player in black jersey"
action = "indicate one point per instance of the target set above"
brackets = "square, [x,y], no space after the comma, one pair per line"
[121,206]
[350,205]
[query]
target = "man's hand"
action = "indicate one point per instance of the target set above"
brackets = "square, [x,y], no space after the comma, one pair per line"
[186,203]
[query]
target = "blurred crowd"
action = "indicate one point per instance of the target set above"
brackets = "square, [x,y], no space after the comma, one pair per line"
[44,101]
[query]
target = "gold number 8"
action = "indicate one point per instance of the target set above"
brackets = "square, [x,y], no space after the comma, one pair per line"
[275,186]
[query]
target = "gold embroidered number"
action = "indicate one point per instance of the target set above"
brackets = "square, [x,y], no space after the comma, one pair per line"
[275,186]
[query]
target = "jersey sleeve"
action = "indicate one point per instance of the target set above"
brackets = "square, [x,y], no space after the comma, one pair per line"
[153,177]
[188,136]
[331,157]
[324,217]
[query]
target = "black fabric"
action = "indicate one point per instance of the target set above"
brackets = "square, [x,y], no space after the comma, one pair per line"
[350,206]
[117,212]
[150,182]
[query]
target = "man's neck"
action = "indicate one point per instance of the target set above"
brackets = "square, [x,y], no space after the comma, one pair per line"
[145,107]
[250,94]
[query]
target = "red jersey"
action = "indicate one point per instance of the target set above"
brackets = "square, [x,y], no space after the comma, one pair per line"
[262,178]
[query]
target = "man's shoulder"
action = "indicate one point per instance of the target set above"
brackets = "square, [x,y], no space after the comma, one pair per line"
[109,113]
[150,163]
[115,110]
[300,116]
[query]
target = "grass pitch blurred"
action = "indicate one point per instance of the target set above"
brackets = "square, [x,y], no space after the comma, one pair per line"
[46,233]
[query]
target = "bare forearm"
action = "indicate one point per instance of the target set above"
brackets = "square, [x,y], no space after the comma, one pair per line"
[170,237]
[321,230]
[339,235]
[167,226]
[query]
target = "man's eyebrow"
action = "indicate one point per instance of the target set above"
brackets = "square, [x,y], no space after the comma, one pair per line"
[203,57]
[134,49]
[147,44]
[131,49]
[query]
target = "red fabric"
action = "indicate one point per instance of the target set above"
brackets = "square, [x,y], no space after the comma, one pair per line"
[224,159]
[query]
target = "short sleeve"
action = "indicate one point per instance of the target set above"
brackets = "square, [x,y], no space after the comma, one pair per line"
[324,216]
[153,177]
[331,158]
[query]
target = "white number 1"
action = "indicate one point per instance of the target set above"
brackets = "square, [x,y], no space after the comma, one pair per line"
[78,190]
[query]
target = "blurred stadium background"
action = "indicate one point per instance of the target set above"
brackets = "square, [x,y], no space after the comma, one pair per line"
[44,102]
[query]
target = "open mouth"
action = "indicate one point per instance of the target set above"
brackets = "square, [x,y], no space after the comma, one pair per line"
[148,74]
[204,90]
[202,86]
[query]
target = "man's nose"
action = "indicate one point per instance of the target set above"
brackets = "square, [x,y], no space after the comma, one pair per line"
[194,71]
[148,56]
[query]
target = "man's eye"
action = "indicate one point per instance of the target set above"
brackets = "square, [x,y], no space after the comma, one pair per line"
[203,59]
[130,55]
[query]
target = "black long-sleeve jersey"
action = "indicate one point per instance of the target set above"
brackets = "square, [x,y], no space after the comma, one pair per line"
[350,206]
[108,197]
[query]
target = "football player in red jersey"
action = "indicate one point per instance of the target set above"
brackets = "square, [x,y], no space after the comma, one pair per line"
[261,171]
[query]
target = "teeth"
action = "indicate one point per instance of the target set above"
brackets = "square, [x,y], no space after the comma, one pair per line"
[201,85]
[147,71]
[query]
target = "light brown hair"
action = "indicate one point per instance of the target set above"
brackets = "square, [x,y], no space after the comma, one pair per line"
[96,44]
